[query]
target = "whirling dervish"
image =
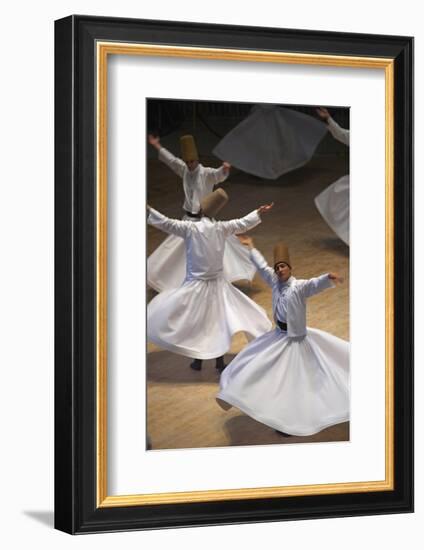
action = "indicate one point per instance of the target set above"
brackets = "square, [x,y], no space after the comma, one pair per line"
[166,266]
[333,202]
[294,379]
[199,318]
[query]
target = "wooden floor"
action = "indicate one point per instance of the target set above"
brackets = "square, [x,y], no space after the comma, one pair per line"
[181,407]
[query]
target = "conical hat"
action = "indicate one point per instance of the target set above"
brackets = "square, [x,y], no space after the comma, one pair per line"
[188,148]
[212,203]
[281,254]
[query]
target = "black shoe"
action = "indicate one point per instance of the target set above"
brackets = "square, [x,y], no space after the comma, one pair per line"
[220,365]
[283,434]
[196,364]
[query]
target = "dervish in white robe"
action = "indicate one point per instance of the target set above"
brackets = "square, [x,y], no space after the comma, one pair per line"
[271,141]
[199,318]
[294,379]
[333,202]
[166,266]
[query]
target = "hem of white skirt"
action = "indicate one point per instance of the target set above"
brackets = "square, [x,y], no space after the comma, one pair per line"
[273,178]
[192,354]
[330,224]
[277,426]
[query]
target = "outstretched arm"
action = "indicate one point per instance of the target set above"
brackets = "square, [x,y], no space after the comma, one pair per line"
[266,272]
[318,284]
[218,175]
[177,165]
[154,141]
[241,225]
[339,133]
[168,225]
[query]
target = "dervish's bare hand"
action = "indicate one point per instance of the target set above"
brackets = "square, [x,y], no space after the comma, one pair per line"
[154,141]
[335,277]
[323,113]
[226,166]
[265,208]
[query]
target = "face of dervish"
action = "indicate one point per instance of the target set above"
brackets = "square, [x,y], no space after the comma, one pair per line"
[283,271]
[192,165]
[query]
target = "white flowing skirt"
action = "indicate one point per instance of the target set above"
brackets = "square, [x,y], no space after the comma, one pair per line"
[166,266]
[199,319]
[297,386]
[271,141]
[333,205]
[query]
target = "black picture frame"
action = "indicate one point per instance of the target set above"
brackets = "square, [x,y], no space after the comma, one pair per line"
[76,485]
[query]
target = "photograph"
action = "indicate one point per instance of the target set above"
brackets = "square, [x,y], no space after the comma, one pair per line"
[247,274]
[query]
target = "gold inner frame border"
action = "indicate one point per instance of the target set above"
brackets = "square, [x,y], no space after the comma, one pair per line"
[103,50]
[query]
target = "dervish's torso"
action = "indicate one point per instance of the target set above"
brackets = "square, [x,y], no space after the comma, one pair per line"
[205,246]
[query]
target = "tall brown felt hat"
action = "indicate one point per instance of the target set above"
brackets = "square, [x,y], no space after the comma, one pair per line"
[212,203]
[188,148]
[281,254]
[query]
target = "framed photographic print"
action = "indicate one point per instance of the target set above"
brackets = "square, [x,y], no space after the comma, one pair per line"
[233,222]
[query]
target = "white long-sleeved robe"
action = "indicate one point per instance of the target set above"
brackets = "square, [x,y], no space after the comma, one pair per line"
[196,183]
[333,202]
[199,318]
[339,133]
[166,266]
[296,293]
[295,381]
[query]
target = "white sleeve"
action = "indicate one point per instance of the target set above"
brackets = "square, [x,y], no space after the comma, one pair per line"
[168,225]
[215,175]
[241,225]
[316,285]
[338,132]
[177,165]
[266,272]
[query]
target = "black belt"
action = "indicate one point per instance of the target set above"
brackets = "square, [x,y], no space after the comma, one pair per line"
[191,215]
[283,326]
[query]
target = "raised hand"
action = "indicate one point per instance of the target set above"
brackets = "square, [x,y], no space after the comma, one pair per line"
[265,208]
[154,141]
[323,113]
[226,166]
[335,277]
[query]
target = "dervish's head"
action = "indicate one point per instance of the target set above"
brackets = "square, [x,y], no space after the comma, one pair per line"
[282,263]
